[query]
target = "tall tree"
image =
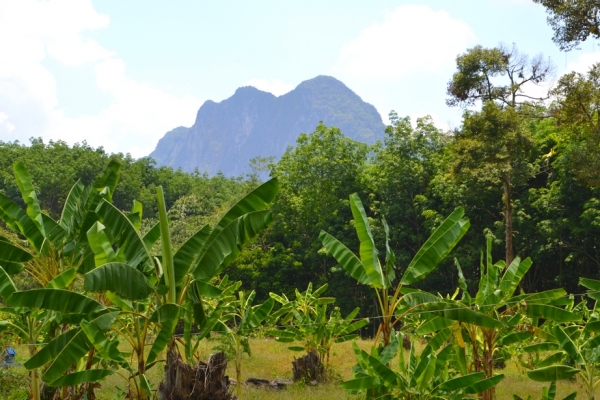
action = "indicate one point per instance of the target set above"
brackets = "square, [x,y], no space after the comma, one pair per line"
[500,74]
[577,112]
[493,146]
[573,21]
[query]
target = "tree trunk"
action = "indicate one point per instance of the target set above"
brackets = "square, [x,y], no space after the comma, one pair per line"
[206,381]
[508,220]
[308,368]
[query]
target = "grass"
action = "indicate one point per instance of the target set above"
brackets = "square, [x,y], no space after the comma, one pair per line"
[271,360]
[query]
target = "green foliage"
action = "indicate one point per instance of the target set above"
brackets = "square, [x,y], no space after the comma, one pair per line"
[493,146]
[399,178]
[57,228]
[576,110]
[369,271]
[316,178]
[577,342]
[496,74]
[572,21]
[417,377]
[305,320]
[485,327]
[55,167]
[243,318]
[548,394]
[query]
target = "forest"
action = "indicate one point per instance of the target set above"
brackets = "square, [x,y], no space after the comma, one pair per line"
[488,238]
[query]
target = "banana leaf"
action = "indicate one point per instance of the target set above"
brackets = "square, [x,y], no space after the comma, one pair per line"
[119,278]
[63,280]
[168,316]
[76,378]
[11,253]
[550,312]
[228,243]
[72,204]
[346,258]
[484,385]
[462,381]
[121,231]
[552,373]
[75,349]
[7,287]
[59,300]
[107,348]
[16,219]
[369,255]
[29,197]
[439,244]
[188,252]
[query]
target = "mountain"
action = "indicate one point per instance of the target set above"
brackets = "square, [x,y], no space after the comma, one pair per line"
[253,123]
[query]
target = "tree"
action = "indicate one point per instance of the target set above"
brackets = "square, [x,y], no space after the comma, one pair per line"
[577,112]
[573,21]
[493,145]
[500,74]
[506,324]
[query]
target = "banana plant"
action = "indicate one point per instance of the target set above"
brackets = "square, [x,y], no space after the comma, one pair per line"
[204,314]
[577,342]
[368,270]
[28,325]
[209,251]
[239,321]
[151,292]
[484,325]
[125,276]
[418,377]
[33,313]
[305,320]
[126,288]
[548,394]
[54,252]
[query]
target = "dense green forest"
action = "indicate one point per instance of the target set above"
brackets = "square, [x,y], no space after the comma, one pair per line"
[414,178]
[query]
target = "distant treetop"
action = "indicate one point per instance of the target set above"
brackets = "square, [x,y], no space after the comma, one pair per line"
[573,21]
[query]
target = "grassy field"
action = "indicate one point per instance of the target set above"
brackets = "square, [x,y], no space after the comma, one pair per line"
[272,360]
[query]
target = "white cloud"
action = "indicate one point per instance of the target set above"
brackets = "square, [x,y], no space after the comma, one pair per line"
[411,38]
[583,63]
[4,122]
[275,86]
[136,119]
[138,114]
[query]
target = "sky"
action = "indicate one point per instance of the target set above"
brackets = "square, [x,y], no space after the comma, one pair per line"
[120,74]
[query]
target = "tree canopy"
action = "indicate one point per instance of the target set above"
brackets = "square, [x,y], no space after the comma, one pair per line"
[572,21]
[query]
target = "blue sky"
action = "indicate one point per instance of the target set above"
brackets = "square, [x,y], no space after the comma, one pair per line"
[120,74]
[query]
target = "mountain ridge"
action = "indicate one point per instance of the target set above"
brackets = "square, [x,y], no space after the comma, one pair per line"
[251,123]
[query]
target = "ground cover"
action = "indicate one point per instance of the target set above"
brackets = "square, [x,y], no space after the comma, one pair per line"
[272,360]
